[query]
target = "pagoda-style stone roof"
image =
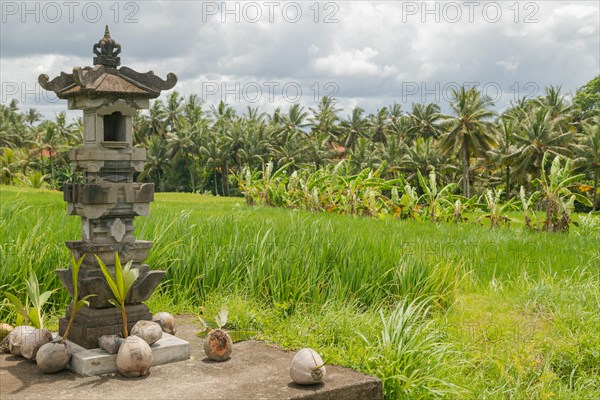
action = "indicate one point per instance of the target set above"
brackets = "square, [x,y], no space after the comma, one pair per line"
[105,78]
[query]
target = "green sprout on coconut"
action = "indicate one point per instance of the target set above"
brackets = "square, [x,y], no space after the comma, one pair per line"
[77,304]
[120,284]
[30,315]
[55,355]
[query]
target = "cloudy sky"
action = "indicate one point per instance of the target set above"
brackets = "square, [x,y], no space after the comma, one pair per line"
[271,54]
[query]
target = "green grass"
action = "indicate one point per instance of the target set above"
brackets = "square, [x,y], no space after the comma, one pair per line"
[509,313]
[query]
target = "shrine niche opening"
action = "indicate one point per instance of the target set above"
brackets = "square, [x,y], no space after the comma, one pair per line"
[115,127]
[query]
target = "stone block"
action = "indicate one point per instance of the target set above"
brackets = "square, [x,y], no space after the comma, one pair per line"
[97,361]
[91,323]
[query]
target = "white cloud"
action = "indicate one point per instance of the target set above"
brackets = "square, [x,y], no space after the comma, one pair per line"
[369,54]
[354,62]
[509,66]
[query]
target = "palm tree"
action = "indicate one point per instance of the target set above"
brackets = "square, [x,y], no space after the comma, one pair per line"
[537,135]
[157,161]
[422,157]
[185,144]
[469,130]
[211,150]
[354,127]
[506,129]
[395,113]
[365,155]
[173,111]
[294,123]
[11,161]
[379,125]
[150,124]
[256,145]
[555,102]
[316,149]
[32,116]
[424,121]
[392,154]
[588,152]
[324,118]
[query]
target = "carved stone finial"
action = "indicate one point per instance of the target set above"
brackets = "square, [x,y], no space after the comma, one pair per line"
[106,51]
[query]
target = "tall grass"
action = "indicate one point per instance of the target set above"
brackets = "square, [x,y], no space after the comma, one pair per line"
[288,256]
[411,354]
[318,279]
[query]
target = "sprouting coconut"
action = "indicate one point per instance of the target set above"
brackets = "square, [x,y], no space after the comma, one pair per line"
[150,331]
[5,330]
[218,344]
[134,358]
[54,356]
[16,337]
[307,367]
[31,343]
[166,322]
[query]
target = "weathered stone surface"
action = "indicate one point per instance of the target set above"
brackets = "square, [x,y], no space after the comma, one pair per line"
[256,371]
[97,361]
[91,281]
[92,323]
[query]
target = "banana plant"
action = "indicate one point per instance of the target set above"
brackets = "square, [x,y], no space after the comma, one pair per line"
[433,197]
[33,314]
[459,207]
[559,199]
[409,203]
[527,204]
[495,209]
[120,284]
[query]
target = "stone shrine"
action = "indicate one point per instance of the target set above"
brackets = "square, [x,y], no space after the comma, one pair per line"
[109,200]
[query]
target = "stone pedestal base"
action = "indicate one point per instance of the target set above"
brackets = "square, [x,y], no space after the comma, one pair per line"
[91,323]
[96,361]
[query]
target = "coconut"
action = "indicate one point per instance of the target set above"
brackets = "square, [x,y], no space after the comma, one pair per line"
[150,331]
[110,343]
[4,347]
[166,322]
[15,338]
[5,329]
[54,356]
[134,358]
[307,367]
[218,345]
[31,343]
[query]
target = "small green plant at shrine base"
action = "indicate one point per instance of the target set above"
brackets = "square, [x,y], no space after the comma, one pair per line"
[77,304]
[120,284]
[30,315]
[218,323]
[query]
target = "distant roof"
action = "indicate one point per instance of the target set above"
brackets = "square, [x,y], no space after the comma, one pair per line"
[105,78]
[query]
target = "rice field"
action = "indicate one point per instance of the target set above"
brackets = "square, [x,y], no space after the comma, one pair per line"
[434,310]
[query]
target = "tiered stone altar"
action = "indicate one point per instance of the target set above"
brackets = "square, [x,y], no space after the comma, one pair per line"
[109,200]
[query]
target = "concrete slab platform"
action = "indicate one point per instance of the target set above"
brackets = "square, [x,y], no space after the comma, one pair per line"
[255,371]
[97,362]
